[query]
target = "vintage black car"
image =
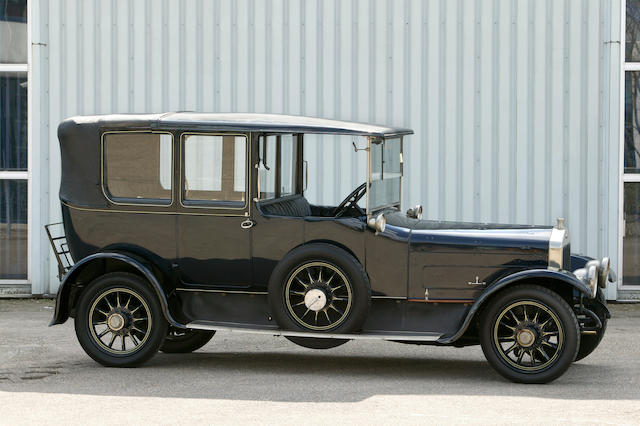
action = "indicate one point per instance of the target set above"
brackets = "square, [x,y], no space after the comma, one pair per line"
[178,225]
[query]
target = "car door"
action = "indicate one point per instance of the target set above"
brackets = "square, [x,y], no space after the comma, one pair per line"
[214,230]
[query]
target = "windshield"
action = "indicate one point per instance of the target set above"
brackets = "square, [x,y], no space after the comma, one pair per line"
[386,173]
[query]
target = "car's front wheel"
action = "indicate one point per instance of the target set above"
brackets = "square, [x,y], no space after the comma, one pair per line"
[529,334]
[119,320]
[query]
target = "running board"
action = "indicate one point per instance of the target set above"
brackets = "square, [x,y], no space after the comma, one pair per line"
[375,335]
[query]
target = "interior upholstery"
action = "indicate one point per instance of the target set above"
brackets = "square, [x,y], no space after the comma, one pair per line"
[295,205]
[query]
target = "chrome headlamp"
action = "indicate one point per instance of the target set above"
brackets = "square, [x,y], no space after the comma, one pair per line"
[594,274]
[379,222]
[415,212]
[592,279]
[605,270]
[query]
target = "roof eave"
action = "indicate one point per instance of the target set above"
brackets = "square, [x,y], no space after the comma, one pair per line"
[234,127]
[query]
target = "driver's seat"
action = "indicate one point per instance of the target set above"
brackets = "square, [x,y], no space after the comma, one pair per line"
[292,205]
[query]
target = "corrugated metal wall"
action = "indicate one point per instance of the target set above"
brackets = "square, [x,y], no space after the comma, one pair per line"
[514,103]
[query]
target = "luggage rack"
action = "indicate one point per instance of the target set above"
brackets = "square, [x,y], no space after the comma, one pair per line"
[58,240]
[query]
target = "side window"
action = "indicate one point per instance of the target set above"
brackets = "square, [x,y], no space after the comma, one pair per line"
[137,167]
[277,170]
[288,159]
[268,166]
[215,170]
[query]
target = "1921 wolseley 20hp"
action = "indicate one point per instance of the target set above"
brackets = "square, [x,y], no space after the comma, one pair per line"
[181,224]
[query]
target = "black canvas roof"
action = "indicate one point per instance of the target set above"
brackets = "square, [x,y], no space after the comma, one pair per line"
[243,122]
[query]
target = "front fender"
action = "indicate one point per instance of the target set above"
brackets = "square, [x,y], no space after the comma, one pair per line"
[61,313]
[563,276]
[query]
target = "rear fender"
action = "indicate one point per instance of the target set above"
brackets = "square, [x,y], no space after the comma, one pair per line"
[63,309]
[562,278]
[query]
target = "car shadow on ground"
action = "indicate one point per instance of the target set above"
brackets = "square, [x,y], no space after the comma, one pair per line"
[310,377]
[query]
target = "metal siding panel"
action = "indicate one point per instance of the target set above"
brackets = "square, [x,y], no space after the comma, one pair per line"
[140,64]
[610,143]
[538,118]
[208,55]
[514,104]
[155,64]
[432,106]
[190,71]
[294,63]
[43,269]
[466,136]
[414,93]
[556,95]
[258,59]
[276,86]
[484,102]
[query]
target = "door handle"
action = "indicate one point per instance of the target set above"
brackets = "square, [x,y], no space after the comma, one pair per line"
[248,223]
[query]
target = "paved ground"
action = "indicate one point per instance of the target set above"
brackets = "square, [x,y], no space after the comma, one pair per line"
[45,377]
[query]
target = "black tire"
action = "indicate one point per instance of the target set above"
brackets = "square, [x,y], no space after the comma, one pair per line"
[589,342]
[350,301]
[312,343]
[507,339]
[182,341]
[134,306]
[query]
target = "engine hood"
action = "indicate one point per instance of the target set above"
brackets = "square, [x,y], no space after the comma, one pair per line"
[469,233]
[455,261]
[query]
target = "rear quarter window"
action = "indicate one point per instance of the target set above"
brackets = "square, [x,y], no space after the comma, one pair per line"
[138,167]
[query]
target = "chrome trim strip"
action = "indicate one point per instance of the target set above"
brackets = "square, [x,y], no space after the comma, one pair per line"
[240,328]
[90,209]
[206,290]
[195,290]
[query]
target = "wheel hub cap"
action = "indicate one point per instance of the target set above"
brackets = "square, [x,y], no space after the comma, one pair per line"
[115,322]
[526,337]
[315,300]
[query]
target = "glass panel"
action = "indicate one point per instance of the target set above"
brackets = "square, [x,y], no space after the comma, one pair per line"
[166,152]
[203,164]
[13,121]
[631,238]
[13,229]
[267,168]
[13,31]
[215,168]
[240,165]
[376,161]
[288,154]
[384,193]
[138,167]
[386,173]
[632,46]
[632,122]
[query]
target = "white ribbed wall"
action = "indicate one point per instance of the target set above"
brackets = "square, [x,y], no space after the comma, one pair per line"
[515,104]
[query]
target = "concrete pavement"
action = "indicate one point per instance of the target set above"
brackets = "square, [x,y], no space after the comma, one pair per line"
[45,377]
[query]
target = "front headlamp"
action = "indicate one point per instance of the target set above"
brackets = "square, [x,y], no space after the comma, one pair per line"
[594,274]
[603,274]
[592,279]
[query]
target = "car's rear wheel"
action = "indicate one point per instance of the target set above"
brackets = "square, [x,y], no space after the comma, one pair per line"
[319,288]
[180,341]
[529,334]
[119,320]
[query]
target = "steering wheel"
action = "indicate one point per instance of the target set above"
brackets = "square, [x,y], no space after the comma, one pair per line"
[351,201]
